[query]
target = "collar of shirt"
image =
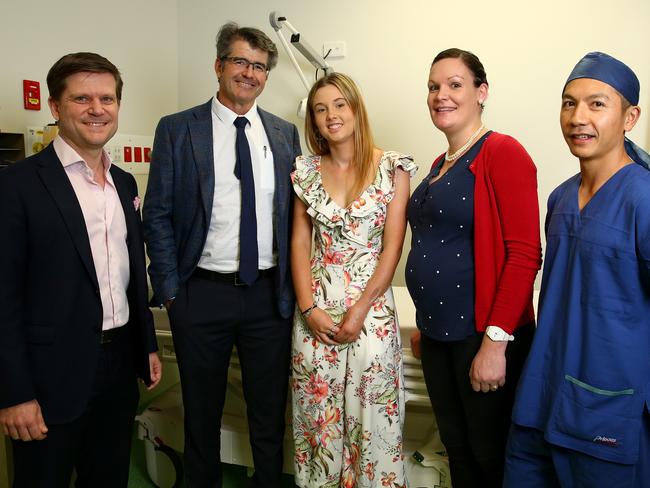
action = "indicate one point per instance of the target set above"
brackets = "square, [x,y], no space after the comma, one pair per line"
[68,157]
[227,116]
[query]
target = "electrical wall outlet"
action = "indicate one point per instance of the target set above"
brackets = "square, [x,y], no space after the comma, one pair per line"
[336,49]
[130,152]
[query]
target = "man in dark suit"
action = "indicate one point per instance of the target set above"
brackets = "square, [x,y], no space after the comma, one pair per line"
[216,220]
[75,328]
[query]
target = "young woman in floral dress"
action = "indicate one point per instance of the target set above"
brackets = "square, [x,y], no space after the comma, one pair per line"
[348,230]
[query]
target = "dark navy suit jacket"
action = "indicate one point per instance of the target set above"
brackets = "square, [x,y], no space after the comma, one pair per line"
[178,204]
[50,307]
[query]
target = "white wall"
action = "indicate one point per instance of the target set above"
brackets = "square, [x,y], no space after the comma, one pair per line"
[165,50]
[528,49]
[139,36]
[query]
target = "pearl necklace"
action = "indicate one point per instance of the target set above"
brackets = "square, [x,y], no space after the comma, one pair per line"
[464,147]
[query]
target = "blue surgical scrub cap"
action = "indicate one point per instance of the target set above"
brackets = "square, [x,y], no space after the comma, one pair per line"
[602,67]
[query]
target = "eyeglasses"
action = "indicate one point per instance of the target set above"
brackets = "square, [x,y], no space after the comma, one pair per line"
[244,63]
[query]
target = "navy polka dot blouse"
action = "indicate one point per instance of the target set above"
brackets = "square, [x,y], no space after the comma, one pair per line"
[440,265]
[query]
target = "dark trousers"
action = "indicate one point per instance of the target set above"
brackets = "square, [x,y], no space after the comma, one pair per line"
[97,444]
[473,426]
[207,318]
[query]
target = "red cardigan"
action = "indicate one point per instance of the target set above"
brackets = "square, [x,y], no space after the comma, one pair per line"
[507,246]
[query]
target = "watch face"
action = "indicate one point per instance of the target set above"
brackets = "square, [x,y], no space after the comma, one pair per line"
[497,334]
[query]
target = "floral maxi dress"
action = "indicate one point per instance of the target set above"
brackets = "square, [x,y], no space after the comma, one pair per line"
[348,400]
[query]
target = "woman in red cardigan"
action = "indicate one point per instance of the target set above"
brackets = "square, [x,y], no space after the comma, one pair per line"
[475,252]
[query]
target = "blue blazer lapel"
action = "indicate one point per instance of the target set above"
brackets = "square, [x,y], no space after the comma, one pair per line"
[282,160]
[58,185]
[203,154]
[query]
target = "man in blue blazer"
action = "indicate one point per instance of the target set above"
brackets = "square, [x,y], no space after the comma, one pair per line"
[217,218]
[75,326]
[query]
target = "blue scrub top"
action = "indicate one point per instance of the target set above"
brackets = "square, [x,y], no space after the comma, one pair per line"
[587,379]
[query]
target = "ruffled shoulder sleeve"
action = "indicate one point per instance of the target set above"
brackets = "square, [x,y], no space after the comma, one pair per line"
[390,161]
[305,177]
[394,160]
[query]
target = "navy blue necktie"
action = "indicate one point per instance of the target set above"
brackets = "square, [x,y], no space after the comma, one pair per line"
[248,266]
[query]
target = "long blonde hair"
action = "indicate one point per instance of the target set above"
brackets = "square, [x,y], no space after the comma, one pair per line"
[364,145]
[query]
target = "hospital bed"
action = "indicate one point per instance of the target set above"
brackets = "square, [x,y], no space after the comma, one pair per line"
[160,426]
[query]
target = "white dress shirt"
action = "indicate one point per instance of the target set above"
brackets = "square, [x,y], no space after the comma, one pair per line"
[106,227]
[221,250]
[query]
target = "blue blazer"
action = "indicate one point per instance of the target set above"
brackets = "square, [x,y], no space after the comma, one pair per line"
[178,203]
[50,308]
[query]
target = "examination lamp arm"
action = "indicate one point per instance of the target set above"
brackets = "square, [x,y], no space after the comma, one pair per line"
[278,21]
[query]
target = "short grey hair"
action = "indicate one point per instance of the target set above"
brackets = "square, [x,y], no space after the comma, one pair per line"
[231,32]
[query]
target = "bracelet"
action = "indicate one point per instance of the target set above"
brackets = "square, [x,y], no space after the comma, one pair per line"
[308,311]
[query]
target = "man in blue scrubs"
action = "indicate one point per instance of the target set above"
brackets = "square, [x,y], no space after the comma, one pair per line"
[581,417]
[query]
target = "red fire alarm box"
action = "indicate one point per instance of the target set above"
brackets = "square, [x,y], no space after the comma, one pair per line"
[32,95]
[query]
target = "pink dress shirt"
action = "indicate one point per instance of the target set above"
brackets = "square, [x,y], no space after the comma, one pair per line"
[106,226]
